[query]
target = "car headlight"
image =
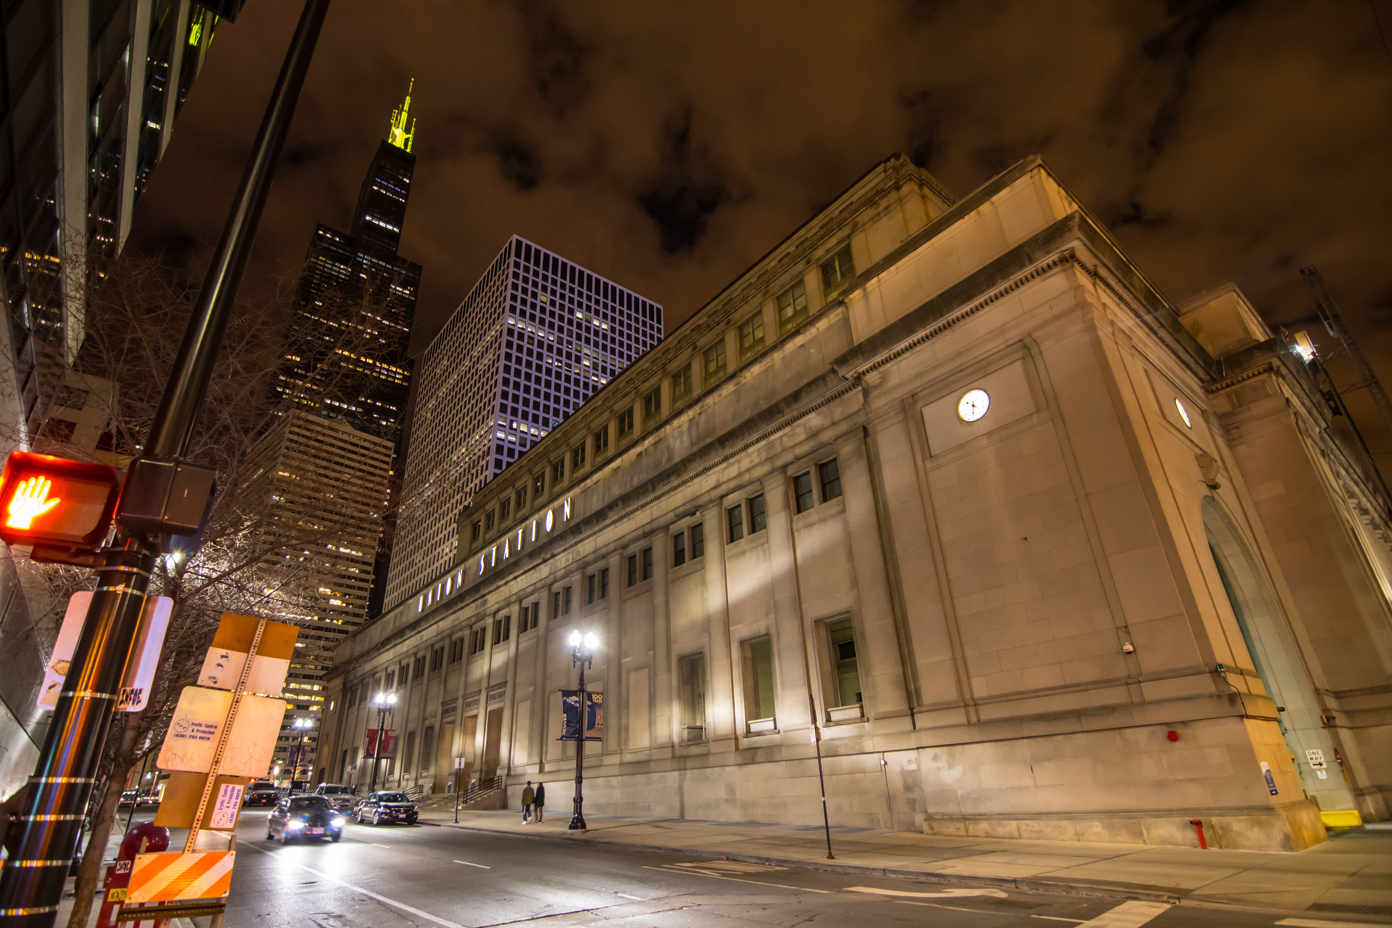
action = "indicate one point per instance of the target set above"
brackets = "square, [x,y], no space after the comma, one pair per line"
[338,821]
[295,825]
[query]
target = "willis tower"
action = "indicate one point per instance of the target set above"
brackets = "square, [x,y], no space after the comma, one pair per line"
[346,356]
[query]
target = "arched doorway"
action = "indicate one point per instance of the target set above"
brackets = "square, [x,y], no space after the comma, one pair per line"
[1276,659]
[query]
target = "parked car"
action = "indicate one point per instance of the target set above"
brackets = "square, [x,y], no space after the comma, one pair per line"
[296,817]
[339,796]
[383,807]
[261,793]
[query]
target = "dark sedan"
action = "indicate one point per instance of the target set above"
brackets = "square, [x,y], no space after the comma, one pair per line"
[297,817]
[387,807]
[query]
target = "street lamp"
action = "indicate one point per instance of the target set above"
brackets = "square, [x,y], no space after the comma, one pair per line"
[383,703]
[302,725]
[581,655]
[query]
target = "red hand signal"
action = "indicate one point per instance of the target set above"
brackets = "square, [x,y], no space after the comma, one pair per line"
[30,500]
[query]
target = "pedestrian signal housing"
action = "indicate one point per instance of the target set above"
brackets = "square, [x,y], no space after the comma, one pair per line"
[52,501]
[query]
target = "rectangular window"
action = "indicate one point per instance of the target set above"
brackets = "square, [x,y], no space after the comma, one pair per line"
[758,682]
[830,475]
[679,549]
[556,605]
[715,362]
[681,386]
[751,336]
[521,499]
[427,754]
[837,271]
[802,491]
[756,514]
[691,686]
[437,659]
[647,563]
[698,540]
[504,510]
[652,407]
[601,440]
[566,601]
[402,675]
[626,424]
[845,673]
[734,518]
[604,583]
[488,519]
[419,668]
[591,588]
[557,472]
[476,531]
[792,307]
[391,677]
[632,569]
[577,457]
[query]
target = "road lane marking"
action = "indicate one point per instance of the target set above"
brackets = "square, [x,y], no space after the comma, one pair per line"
[1127,915]
[467,864]
[627,896]
[442,922]
[375,844]
[795,889]
[1055,918]
[1316,923]
[946,893]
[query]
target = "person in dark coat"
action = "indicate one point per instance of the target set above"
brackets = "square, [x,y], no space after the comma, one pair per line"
[538,800]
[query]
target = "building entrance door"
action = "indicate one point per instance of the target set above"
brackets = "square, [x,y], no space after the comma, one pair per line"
[444,762]
[1276,660]
[492,735]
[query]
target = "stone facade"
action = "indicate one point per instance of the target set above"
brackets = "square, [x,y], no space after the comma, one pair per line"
[1136,591]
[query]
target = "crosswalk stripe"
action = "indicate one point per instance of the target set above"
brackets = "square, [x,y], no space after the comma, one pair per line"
[1127,915]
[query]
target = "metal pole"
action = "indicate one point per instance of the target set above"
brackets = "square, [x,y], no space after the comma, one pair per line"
[377,749]
[577,821]
[457,768]
[821,780]
[138,783]
[31,884]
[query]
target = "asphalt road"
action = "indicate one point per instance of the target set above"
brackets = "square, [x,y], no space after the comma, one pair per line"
[423,876]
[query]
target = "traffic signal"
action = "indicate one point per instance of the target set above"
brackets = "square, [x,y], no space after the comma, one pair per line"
[52,501]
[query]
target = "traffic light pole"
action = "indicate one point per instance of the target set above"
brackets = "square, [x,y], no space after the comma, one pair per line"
[50,823]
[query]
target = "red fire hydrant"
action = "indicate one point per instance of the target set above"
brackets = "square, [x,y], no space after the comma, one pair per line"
[143,837]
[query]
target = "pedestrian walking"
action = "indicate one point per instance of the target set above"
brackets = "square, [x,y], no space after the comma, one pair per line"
[528,797]
[538,800]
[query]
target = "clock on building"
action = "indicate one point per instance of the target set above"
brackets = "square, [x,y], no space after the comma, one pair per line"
[973,405]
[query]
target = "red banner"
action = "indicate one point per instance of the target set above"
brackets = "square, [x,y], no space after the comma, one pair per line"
[388,742]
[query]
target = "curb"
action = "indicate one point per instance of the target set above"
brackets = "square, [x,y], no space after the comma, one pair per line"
[927,876]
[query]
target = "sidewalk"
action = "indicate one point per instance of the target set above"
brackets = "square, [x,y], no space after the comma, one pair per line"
[1350,874]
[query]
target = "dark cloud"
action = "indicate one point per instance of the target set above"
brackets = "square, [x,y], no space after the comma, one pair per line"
[670,145]
[555,55]
[519,162]
[678,201]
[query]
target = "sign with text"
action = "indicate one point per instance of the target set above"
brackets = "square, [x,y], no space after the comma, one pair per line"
[594,715]
[182,794]
[226,804]
[149,642]
[193,733]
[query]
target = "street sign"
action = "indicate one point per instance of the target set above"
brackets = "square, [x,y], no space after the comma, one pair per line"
[183,792]
[52,501]
[140,673]
[194,730]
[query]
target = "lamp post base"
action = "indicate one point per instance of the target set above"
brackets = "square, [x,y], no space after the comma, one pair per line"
[577,823]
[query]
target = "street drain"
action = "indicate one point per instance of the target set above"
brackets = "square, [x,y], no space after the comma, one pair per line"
[1350,908]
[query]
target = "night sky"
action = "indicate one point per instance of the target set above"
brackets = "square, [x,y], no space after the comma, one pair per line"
[669,145]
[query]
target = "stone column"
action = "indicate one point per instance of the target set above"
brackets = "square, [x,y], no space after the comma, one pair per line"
[789,625]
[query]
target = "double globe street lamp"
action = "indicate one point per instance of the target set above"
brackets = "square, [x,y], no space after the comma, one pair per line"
[301,725]
[582,645]
[384,703]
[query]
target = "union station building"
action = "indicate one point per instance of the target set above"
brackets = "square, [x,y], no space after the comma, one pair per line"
[1036,551]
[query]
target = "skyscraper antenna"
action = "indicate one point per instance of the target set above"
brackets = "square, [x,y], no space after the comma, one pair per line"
[398,135]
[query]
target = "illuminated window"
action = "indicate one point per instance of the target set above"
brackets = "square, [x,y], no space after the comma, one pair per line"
[752,336]
[681,386]
[792,307]
[715,362]
[837,271]
[845,672]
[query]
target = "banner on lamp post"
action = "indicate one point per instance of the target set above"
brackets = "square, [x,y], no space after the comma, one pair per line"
[570,715]
[388,742]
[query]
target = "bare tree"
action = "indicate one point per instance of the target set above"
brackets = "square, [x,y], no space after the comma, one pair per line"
[252,560]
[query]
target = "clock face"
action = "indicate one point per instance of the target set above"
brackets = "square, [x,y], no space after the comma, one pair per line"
[1183,413]
[973,405]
